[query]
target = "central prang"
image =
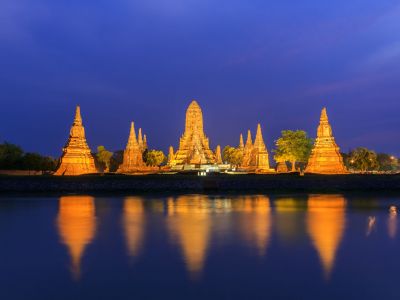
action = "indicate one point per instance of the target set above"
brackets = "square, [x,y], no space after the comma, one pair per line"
[194,146]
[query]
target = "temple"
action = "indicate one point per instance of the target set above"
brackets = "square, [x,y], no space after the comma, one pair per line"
[194,150]
[325,157]
[255,155]
[76,158]
[133,153]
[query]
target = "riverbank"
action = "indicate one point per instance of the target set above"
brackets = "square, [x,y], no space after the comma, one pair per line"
[284,183]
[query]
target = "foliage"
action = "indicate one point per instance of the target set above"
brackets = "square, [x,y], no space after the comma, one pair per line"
[293,146]
[12,157]
[363,159]
[232,155]
[387,162]
[154,157]
[104,157]
[116,160]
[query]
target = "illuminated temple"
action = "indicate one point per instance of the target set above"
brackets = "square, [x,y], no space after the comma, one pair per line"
[325,156]
[255,155]
[194,149]
[133,153]
[76,158]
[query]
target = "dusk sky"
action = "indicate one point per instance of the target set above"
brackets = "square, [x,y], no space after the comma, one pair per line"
[244,61]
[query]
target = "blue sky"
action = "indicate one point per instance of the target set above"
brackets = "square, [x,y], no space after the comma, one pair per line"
[273,62]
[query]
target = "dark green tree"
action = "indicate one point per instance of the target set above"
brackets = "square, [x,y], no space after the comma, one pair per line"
[387,162]
[10,156]
[363,159]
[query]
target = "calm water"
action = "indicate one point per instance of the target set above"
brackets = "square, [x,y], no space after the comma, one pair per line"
[199,247]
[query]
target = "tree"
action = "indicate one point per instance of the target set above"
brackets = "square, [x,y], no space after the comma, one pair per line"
[116,160]
[104,157]
[37,162]
[10,156]
[387,162]
[363,159]
[232,155]
[293,146]
[154,158]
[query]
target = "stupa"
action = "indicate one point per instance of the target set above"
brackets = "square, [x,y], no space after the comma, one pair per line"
[247,149]
[241,143]
[260,156]
[218,156]
[194,149]
[133,159]
[325,157]
[170,155]
[255,155]
[76,158]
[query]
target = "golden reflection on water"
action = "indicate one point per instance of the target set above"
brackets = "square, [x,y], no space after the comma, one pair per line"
[326,221]
[76,223]
[392,223]
[189,224]
[371,224]
[133,223]
[255,220]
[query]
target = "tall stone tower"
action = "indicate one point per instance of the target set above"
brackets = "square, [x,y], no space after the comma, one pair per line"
[247,150]
[133,159]
[260,156]
[325,157]
[76,158]
[218,155]
[194,148]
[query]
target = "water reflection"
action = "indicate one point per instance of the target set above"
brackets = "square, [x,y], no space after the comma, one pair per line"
[371,223]
[326,224]
[189,224]
[76,224]
[392,222]
[133,224]
[289,219]
[255,221]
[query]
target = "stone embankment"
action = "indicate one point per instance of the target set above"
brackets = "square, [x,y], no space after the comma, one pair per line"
[289,183]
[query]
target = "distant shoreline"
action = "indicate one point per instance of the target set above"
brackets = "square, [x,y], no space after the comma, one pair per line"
[178,184]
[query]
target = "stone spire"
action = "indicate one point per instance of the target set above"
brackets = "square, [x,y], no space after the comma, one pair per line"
[259,141]
[249,141]
[140,140]
[132,141]
[260,156]
[325,157]
[145,146]
[241,143]
[76,158]
[248,148]
[194,146]
[170,155]
[78,117]
[133,160]
[218,156]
